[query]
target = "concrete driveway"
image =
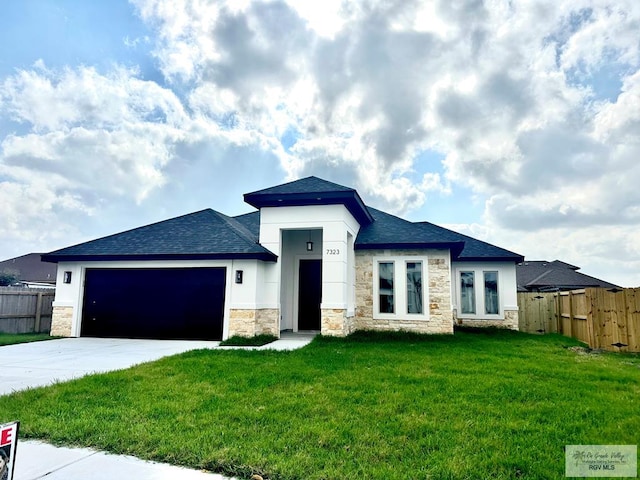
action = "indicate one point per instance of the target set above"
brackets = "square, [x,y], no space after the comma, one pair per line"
[36,364]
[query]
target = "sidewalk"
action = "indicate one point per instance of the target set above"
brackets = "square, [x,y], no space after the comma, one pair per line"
[37,460]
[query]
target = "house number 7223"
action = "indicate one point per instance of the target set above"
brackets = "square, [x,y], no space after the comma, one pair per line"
[333,251]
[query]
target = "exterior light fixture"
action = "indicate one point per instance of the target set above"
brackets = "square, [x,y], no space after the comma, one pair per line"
[309,243]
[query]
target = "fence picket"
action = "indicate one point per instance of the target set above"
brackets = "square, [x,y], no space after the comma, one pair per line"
[25,310]
[599,317]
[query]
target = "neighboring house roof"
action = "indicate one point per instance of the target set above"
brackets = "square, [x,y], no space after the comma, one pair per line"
[211,235]
[540,275]
[311,191]
[206,234]
[30,269]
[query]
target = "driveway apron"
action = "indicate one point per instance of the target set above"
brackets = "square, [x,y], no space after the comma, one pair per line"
[37,364]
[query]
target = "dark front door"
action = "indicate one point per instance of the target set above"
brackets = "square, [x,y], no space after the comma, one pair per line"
[185,303]
[309,294]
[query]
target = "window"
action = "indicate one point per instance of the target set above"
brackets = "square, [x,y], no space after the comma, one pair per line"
[467,293]
[481,298]
[385,287]
[400,288]
[491,305]
[414,287]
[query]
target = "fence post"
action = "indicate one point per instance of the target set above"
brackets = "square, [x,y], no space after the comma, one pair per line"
[570,313]
[38,313]
[590,296]
[556,308]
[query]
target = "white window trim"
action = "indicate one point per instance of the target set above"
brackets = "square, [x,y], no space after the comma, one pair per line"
[475,292]
[478,285]
[400,288]
[484,298]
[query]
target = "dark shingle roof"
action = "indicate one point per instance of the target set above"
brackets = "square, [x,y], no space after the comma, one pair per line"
[391,232]
[250,221]
[477,250]
[30,268]
[540,275]
[206,234]
[211,235]
[311,191]
[304,185]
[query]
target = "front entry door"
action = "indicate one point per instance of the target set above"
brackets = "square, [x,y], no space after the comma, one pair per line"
[309,294]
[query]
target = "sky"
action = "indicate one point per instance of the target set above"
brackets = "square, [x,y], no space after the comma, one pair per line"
[516,122]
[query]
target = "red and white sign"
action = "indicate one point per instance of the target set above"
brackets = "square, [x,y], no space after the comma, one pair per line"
[8,442]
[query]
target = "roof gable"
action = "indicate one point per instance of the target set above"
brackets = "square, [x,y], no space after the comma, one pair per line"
[206,234]
[311,191]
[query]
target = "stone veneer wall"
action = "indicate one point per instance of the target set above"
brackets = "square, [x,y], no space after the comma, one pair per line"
[335,322]
[439,301]
[248,323]
[510,321]
[61,320]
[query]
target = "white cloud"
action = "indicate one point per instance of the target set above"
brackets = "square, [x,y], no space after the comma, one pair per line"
[50,100]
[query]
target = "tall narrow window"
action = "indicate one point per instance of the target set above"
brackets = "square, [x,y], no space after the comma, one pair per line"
[467,293]
[491,304]
[386,287]
[414,287]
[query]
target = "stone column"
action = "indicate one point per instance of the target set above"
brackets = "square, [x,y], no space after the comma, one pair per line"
[61,321]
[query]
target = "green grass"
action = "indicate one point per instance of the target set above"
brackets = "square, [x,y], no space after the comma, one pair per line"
[476,405]
[13,338]
[255,341]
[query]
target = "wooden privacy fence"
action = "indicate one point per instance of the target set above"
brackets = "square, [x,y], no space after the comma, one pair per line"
[537,312]
[25,310]
[602,318]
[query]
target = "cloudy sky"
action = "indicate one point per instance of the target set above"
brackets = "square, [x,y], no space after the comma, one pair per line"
[517,122]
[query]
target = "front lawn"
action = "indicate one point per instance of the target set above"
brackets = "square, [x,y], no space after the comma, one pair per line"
[13,338]
[475,405]
[255,341]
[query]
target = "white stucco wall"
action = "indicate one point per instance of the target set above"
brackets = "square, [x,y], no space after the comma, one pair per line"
[507,289]
[294,249]
[285,231]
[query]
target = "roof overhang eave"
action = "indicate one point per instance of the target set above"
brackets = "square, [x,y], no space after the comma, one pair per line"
[490,259]
[350,199]
[263,256]
[454,247]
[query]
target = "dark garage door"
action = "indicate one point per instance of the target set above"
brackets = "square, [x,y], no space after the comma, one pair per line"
[180,303]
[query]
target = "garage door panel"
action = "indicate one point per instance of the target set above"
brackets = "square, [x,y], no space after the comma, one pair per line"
[154,303]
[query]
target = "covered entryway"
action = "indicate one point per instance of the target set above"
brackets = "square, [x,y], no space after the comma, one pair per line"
[309,294]
[176,303]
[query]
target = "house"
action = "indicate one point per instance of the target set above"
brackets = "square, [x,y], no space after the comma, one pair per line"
[543,276]
[30,271]
[311,257]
